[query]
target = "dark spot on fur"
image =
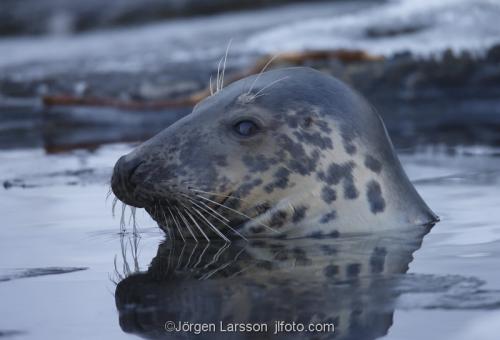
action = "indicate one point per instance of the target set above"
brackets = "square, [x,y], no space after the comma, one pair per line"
[373,164]
[375,199]
[341,172]
[262,208]
[299,213]
[350,148]
[281,177]
[328,194]
[299,161]
[245,188]
[258,163]
[350,191]
[353,269]
[269,188]
[323,126]
[328,217]
[331,270]
[280,180]
[278,219]
[347,140]
[314,138]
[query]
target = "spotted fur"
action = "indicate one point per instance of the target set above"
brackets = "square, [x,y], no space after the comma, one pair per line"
[320,164]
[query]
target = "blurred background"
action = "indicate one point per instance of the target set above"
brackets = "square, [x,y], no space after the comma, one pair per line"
[79,74]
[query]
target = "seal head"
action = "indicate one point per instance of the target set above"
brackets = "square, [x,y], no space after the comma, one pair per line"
[290,153]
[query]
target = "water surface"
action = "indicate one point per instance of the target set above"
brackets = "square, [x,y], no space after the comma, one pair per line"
[61,256]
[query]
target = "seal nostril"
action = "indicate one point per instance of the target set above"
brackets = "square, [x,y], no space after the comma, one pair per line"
[132,170]
[123,182]
[126,168]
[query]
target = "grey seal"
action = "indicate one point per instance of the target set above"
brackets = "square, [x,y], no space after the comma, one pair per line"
[287,153]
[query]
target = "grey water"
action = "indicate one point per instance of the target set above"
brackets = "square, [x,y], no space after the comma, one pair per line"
[67,272]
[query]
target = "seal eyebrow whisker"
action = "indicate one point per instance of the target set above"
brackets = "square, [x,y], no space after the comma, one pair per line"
[217,231]
[218,77]
[186,210]
[256,95]
[224,65]
[186,224]
[262,71]
[240,213]
[210,86]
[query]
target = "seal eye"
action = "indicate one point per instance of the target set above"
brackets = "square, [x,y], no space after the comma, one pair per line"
[246,128]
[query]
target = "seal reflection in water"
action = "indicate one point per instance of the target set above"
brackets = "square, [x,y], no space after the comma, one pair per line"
[352,282]
[288,153]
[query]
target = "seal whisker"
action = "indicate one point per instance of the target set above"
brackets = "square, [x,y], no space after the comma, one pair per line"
[187,224]
[205,205]
[240,213]
[218,77]
[186,210]
[191,255]
[167,227]
[227,225]
[224,65]
[210,274]
[217,231]
[165,223]
[113,206]
[223,266]
[123,247]
[134,248]
[176,224]
[122,219]
[201,255]
[180,256]
[259,93]
[210,86]
[108,194]
[218,255]
[221,195]
[262,71]
[133,220]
